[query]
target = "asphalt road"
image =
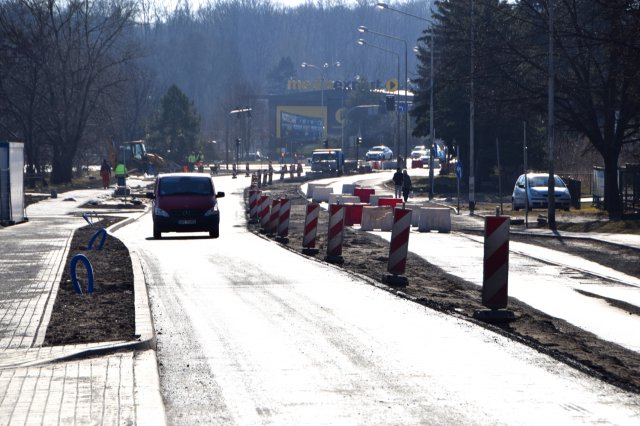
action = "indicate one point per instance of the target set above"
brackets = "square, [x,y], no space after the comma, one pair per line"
[250,333]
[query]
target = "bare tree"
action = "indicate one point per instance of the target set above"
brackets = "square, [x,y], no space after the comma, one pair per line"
[81,50]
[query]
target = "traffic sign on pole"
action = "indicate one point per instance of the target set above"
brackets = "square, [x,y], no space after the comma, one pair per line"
[459,170]
[392,85]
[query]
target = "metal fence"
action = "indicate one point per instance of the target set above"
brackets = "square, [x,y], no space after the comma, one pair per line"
[629,185]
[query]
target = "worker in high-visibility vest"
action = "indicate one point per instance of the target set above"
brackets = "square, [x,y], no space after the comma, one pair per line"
[121,174]
[191,160]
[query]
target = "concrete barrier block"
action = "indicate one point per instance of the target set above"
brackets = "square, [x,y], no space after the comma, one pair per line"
[375,198]
[364,194]
[349,199]
[390,165]
[374,217]
[343,198]
[348,188]
[321,194]
[312,186]
[388,201]
[434,219]
[386,221]
[415,214]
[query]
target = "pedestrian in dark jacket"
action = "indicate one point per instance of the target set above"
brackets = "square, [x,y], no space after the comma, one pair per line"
[397,183]
[105,173]
[406,185]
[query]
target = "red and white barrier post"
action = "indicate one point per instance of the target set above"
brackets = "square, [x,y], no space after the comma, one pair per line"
[283,220]
[398,247]
[272,226]
[310,229]
[495,277]
[336,234]
[253,205]
[263,211]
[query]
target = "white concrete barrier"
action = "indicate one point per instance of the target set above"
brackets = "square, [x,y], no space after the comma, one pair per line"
[312,186]
[321,194]
[347,188]
[343,198]
[374,217]
[373,198]
[434,219]
[415,217]
[389,165]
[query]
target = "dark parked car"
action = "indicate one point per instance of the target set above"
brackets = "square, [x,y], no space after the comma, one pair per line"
[185,202]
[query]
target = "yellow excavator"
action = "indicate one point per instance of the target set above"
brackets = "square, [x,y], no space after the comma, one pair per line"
[136,158]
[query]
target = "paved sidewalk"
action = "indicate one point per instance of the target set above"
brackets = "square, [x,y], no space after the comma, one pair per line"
[102,383]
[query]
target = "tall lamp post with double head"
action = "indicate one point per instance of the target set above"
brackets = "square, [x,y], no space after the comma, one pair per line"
[363,42]
[385,6]
[322,70]
[364,29]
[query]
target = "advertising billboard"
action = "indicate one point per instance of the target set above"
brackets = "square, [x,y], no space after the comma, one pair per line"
[301,123]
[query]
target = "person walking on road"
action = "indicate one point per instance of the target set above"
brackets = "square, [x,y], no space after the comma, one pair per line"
[105,173]
[397,183]
[406,185]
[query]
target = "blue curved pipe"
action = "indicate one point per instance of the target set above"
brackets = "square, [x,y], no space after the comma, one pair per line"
[104,236]
[74,275]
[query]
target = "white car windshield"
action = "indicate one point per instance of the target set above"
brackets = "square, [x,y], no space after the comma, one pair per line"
[185,186]
[543,181]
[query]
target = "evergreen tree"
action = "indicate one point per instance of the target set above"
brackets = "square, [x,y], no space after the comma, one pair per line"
[278,76]
[174,129]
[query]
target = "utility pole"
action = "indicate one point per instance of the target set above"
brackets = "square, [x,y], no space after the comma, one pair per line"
[551,192]
[472,182]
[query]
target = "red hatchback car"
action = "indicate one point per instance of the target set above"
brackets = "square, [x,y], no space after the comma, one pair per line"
[185,202]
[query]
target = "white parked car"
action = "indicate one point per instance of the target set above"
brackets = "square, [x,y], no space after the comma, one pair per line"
[426,161]
[419,151]
[537,185]
[379,153]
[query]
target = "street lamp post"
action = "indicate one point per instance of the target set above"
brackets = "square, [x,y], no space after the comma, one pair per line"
[239,112]
[364,29]
[362,42]
[322,70]
[322,73]
[382,5]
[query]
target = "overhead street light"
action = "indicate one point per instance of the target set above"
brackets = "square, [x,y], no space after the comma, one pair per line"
[383,5]
[364,29]
[322,70]
[363,42]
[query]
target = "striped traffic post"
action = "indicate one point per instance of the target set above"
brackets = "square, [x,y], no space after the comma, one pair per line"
[263,211]
[336,234]
[253,205]
[283,220]
[398,247]
[495,277]
[272,226]
[310,229]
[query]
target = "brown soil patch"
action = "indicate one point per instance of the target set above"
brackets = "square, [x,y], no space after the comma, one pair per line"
[108,314]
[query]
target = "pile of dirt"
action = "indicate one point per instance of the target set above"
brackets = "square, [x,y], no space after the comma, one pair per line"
[367,255]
